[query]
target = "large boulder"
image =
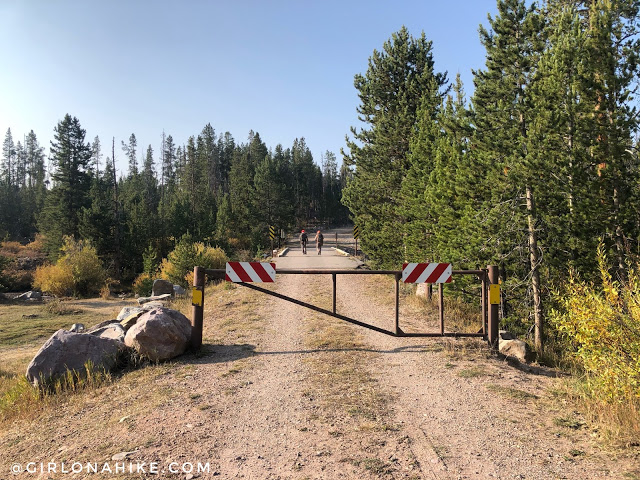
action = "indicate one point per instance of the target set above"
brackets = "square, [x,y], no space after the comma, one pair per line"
[160,334]
[71,351]
[515,348]
[161,287]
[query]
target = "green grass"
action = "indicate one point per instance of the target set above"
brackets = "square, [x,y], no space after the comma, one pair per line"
[513,393]
[471,372]
[24,324]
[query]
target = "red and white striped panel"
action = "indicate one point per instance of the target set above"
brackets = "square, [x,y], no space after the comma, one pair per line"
[426,273]
[250,272]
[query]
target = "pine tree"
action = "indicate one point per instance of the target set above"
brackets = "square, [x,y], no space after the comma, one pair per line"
[226,147]
[397,79]
[613,46]
[8,158]
[208,151]
[503,113]
[168,179]
[96,155]
[270,198]
[71,183]
[130,150]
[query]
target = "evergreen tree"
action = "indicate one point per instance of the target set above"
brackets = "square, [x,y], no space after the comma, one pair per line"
[168,166]
[96,155]
[503,114]
[8,157]
[305,182]
[397,79]
[270,197]
[130,150]
[71,183]
[226,147]
[210,158]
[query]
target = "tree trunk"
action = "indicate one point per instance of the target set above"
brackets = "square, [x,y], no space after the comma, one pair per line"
[535,273]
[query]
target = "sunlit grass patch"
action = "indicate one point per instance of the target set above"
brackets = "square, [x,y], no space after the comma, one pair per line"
[510,392]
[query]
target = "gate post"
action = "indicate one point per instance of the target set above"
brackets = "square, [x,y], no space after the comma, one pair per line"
[493,309]
[484,295]
[197,309]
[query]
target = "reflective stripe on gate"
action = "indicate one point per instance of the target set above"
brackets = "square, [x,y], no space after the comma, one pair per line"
[426,273]
[250,272]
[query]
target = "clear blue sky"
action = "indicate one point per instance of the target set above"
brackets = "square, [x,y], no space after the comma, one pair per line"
[281,68]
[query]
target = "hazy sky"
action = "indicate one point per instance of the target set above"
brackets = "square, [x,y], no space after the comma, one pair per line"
[283,69]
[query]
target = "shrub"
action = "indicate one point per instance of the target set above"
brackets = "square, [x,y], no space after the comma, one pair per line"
[12,247]
[601,328]
[187,254]
[77,272]
[3,280]
[54,279]
[143,285]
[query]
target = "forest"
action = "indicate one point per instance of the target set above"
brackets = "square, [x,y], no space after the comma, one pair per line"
[537,172]
[212,189]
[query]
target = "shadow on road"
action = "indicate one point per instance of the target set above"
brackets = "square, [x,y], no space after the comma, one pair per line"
[212,354]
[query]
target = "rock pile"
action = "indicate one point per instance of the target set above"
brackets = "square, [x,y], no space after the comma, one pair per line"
[152,330]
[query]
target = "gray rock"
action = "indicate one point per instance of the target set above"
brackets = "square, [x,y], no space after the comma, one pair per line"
[130,321]
[152,304]
[115,331]
[160,334]
[161,287]
[71,351]
[504,335]
[515,348]
[30,295]
[77,328]
[153,298]
[178,290]
[127,311]
[100,325]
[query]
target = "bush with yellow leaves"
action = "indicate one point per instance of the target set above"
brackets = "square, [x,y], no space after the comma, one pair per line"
[179,264]
[600,326]
[78,272]
[143,284]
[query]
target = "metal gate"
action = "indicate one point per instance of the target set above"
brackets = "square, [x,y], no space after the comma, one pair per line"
[489,307]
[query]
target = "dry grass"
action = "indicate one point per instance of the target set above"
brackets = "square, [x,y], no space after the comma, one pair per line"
[23,329]
[617,423]
[340,380]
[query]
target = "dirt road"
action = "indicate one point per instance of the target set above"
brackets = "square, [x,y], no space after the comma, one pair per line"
[281,392]
[319,399]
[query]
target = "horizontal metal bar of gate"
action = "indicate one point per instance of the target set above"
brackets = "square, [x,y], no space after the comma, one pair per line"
[220,274]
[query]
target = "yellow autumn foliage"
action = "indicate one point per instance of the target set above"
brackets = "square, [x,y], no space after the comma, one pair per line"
[78,272]
[600,327]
